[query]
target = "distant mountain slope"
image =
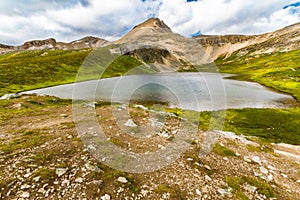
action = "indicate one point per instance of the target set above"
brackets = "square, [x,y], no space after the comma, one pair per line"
[285,39]
[154,33]
[51,43]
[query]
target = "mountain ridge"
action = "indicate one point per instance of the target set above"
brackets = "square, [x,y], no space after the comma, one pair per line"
[155,32]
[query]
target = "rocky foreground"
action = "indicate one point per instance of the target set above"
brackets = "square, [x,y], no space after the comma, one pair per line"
[42,157]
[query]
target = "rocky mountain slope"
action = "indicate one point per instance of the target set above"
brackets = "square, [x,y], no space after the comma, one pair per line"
[154,33]
[285,39]
[51,43]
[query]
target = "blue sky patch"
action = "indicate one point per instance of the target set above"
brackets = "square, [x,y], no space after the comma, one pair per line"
[292,5]
[196,34]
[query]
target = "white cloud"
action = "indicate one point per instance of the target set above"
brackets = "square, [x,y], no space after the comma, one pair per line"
[226,17]
[73,19]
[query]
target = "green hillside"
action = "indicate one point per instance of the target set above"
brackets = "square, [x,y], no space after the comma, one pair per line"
[26,70]
[280,71]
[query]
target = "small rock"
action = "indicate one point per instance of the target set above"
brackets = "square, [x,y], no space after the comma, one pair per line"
[250,188]
[270,167]
[237,154]
[144,192]
[120,190]
[36,179]
[65,182]
[122,180]
[17,106]
[284,175]
[247,159]
[190,159]
[130,123]
[298,181]
[55,182]
[97,182]
[270,177]
[93,168]
[225,158]
[204,190]
[60,171]
[63,115]
[207,167]
[256,159]
[25,186]
[224,192]
[27,175]
[198,192]
[42,190]
[79,180]
[105,197]
[207,178]
[25,195]
[70,137]
[264,170]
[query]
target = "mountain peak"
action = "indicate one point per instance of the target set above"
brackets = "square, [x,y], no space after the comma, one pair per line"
[154,23]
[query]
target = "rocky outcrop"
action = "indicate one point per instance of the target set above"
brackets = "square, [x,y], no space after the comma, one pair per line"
[154,23]
[155,34]
[39,44]
[6,48]
[51,43]
[151,55]
[285,39]
[197,50]
[222,39]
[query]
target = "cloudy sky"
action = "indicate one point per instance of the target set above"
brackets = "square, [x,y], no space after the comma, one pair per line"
[67,20]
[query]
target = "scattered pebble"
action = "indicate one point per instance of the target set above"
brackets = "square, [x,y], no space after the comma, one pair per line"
[284,175]
[130,123]
[207,178]
[256,159]
[207,167]
[79,180]
[264,170]
[65,183]
[224,192]
[25,186]
[60,171]
[198,192]
[250,188]
[247,159]
[122,180]
[105,197]
[25,195]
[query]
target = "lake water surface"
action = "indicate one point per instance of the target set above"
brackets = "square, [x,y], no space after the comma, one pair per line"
[193,91]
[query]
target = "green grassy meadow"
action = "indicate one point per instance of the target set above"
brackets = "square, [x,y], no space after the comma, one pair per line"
[280,71]
[26,70]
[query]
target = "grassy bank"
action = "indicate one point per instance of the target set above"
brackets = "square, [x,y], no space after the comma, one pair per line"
[280,71]
[27,70]
[270,125]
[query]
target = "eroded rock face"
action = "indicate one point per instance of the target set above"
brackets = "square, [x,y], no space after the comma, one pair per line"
[150,55]
[6,48]
[154,23]
[222,39]
[39,44]
[285,39]
[156,33]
